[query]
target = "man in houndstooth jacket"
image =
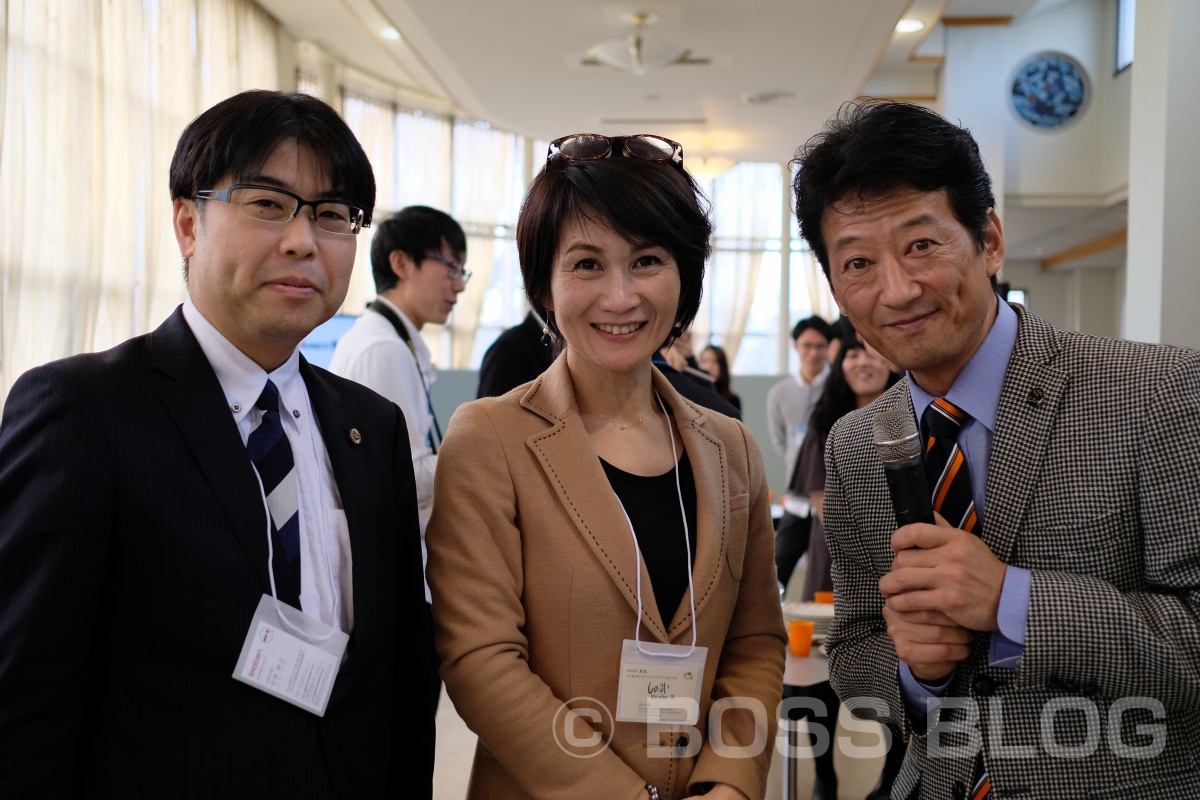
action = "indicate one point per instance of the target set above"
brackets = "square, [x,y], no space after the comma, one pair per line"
[1058,653]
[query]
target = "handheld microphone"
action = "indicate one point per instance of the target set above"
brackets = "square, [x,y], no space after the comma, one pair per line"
[899,447]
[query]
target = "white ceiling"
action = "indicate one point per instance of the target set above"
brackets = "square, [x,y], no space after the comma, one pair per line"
[517,64]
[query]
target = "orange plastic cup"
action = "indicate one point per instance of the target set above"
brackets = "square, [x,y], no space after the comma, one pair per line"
[823,597]
[800,636]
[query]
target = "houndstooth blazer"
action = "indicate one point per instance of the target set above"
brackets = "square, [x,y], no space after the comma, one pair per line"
[1093,485]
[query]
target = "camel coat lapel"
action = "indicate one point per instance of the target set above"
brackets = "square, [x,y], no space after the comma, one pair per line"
[585,494]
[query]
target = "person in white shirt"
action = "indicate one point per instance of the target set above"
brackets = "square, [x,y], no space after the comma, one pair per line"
[417,260]
[788,406]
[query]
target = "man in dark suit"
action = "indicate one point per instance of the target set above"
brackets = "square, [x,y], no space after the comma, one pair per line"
[153,494]
[518,355]
[1045,643]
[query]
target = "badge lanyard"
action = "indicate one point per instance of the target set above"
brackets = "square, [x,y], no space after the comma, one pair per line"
[402,331]
[687,554]
[333,587]
[297,665]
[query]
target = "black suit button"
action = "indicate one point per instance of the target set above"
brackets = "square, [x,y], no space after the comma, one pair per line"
[1070,687]
[983,686]
[960,790]
[1053,684]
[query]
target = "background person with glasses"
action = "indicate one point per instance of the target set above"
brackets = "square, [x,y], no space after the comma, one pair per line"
[151,495]
[417,260]
[594,514]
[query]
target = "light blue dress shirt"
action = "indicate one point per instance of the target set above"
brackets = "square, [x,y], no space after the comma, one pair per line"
[976,391]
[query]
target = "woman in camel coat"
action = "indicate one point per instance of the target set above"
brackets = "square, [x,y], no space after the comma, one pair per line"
[541,494]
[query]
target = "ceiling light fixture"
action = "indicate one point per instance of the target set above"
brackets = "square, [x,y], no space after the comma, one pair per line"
[907,25]
[639,51]
[391,34]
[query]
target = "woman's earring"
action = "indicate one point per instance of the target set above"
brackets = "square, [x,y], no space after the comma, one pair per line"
[677,331]
[547,338]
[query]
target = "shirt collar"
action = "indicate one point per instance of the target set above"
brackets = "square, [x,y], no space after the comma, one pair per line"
[819,379]
[976,390]
[241,379]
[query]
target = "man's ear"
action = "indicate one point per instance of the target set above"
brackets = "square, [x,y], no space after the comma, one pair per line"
[993,243]
[401,264]
[185,216]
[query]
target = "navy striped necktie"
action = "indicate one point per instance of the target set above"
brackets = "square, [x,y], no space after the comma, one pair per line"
[271,455]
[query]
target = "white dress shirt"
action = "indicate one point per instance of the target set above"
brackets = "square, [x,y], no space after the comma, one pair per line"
[373,354]
[326,566]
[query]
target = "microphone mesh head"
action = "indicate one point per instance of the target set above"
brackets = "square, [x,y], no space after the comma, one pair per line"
[896,436]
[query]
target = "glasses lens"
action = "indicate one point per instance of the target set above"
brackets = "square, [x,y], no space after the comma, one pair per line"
[649,148]
[339,217]
[584,147]
[263,204]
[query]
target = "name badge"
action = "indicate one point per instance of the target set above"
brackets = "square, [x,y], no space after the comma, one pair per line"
[295,658]
[660,683]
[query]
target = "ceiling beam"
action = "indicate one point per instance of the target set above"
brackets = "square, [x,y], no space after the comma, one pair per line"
[1106,242]
[952,21]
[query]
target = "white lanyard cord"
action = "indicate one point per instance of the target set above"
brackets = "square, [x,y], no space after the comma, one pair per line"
[687,553]
[271,573]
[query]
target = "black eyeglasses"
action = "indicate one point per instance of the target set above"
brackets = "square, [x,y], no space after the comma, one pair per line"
[455,271]
[594,146]
[271,204]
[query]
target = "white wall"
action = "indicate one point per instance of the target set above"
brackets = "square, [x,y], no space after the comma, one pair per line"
[1063,162]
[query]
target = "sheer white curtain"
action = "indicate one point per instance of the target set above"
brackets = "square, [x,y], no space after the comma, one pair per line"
[746,220]
[374,123]
[94,97]
[488,181]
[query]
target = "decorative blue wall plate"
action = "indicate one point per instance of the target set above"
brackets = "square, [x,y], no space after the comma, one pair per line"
[1049,90]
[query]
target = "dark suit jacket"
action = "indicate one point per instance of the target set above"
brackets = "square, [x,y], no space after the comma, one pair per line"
[516,357]
[132,556]
[1092,484]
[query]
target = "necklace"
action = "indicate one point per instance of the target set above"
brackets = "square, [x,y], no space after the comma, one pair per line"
[618,425]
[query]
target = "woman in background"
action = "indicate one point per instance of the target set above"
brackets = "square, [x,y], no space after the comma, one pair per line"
[858,376]
[594,520]
[714,361]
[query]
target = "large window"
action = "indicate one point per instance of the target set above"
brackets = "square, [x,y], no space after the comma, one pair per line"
[1126,14]
[479,173]
[93,97]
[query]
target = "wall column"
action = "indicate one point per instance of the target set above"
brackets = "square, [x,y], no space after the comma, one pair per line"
[975,84]
[1162,274]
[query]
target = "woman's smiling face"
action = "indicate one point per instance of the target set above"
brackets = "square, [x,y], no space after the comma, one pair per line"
[614,300]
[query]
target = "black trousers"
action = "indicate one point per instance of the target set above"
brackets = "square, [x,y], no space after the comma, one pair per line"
[791,542]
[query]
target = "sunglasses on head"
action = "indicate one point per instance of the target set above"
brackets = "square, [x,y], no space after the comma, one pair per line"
[594,146]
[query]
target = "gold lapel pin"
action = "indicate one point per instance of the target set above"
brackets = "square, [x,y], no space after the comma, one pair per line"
[1035,396]
[355,436]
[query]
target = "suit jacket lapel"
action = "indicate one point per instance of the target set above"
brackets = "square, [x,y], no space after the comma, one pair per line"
[1029,405]
[583,489]
[709,468]
[197,404]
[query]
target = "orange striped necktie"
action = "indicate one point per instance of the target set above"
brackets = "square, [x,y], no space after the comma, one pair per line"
[946,465]
[953,497]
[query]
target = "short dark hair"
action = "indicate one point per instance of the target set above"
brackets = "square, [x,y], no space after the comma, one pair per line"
[813,323]
[643,201]
[873,147]
[417,231]
[837,399]
[238,135]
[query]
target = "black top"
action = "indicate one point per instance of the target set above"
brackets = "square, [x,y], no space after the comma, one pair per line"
[653,507]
